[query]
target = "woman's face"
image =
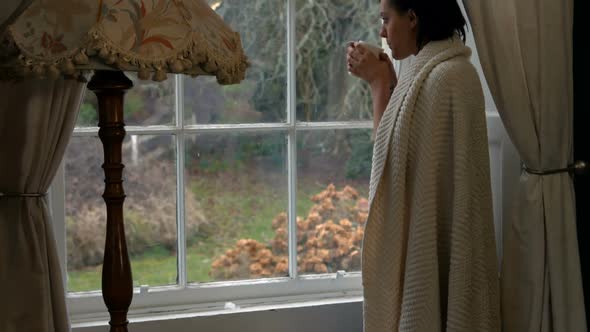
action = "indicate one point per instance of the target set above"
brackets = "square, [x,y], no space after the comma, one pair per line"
[399,29]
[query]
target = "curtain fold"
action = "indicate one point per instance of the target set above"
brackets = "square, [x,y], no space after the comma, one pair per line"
[36,121]
[525,49]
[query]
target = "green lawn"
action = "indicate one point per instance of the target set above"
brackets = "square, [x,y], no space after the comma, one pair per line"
[237,209]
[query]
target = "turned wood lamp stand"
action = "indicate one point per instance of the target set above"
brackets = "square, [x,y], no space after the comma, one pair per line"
[117,282]
[190,38]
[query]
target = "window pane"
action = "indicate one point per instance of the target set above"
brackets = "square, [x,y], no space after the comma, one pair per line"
[333,179]
[149,210]
[261,97]
[147,103]
[325,90]
[239,181]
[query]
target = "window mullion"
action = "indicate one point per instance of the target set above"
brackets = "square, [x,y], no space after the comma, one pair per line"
[292,139]
[180,222]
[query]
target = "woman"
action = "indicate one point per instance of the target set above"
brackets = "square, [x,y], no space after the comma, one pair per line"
[429,255]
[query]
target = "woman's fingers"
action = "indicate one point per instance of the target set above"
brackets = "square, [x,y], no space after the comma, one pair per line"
[360,49]
[352,53]
[360,62]
[349,58]
[357,51]
[353,70]
[354,61]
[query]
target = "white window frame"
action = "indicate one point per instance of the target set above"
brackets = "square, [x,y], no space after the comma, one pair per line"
[86,306]
[89,306]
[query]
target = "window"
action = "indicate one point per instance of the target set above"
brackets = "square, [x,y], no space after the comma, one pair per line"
[238,192]
[247,192]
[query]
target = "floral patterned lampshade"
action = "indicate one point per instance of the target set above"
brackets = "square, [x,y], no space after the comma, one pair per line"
[50,38]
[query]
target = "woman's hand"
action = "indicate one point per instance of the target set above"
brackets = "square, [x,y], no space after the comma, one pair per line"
[363,64]
[377,71]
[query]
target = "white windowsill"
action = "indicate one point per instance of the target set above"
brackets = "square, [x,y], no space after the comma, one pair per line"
[237,307]
[207,298]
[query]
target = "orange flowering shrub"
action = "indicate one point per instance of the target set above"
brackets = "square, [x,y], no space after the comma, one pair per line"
[328,240]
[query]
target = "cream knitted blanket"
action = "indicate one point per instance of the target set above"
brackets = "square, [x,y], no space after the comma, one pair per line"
[429,258]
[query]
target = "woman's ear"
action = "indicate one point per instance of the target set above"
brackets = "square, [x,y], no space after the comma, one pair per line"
[413,18]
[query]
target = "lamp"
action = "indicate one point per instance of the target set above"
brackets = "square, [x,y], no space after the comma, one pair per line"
[55,38]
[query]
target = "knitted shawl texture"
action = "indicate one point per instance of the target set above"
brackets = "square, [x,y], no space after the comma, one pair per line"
[429,259]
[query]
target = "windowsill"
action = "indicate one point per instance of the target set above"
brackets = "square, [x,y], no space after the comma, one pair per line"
[212,297]
[237,307]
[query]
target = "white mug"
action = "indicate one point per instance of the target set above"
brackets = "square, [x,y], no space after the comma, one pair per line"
[376,50]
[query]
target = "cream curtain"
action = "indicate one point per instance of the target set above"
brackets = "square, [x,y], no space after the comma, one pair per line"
[36,121]
[525,48]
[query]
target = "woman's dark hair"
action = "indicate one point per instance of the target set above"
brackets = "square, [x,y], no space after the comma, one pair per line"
[437,19]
